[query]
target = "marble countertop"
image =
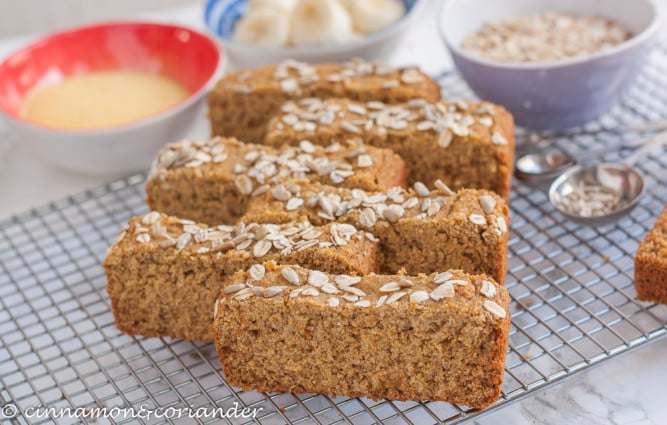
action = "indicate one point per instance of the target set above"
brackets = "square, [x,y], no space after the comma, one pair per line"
[628,389]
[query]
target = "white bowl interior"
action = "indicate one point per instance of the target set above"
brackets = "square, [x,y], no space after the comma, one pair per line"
[460,18]
[115,151]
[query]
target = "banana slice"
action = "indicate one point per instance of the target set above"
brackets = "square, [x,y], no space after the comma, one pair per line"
[284,5]
[264,26]
[347,4]
[320,22]
[372,15]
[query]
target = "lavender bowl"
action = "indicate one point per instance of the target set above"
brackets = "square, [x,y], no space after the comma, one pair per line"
[551,95]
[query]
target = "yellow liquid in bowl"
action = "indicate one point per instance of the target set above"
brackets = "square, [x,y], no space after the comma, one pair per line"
[102,100]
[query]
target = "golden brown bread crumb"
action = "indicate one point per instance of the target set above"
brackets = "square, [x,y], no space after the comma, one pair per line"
[465,144]
[241,103]
[429,337]
[164,274]
[420,230]
[210,181]
[651,263]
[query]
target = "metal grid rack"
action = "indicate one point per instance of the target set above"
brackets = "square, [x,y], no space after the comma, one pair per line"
[573,301]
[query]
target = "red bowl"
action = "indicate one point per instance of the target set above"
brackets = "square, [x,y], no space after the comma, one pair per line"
[184,55]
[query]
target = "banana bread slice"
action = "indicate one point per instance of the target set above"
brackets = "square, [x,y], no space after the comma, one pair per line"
[465,144]
[164,274]
[421,230]
[437,337]
[241,103]
[651,263]
[211,181]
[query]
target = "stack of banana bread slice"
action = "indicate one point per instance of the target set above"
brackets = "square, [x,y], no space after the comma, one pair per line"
[292,239]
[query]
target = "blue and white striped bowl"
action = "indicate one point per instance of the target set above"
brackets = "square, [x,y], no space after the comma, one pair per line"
[221,17]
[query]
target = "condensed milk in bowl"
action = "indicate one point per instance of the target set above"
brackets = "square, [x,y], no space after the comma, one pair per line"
[103,99]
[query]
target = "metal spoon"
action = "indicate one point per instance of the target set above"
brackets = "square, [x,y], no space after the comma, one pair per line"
[547,165]
[544,166]
[602,193]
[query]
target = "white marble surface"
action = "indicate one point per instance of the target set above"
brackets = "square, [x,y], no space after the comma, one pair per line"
[29,16]
[629,389]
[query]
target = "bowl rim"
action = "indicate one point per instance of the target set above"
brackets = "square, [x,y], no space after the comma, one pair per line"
[640,38]
[554,187]
[320,48]
[193,97]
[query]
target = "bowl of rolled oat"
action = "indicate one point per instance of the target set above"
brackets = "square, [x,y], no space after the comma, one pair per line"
[554,65]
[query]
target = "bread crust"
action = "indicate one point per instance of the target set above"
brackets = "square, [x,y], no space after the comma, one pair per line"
[651,263]
[465,144]
[201,180]
[163,289]
[450,349]
[421,240]
[241,103]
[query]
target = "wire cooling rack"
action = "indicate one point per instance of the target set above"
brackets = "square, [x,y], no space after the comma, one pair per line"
[573,302]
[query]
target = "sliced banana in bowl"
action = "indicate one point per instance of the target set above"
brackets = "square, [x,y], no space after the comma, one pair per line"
[264,27]
[370,16]
[257,32]
[319,22]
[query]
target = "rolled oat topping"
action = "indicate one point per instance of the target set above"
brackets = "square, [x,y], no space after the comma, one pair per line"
[231,289]
[445,290]
[257,271]
[443,187]
[447,120]
[488,203]
[244,294]
[419,297]
[498,139]
[390,206]
[501,225]
[488,289]
[317,278]
[442,277]
[422,190]
[262,164]
[493,308]
[293,76]
[346,280]
[390,287]
[334,290]
[364,161]
[477,219]
[255,239]
[310,292]
[143,238]
[395,297]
